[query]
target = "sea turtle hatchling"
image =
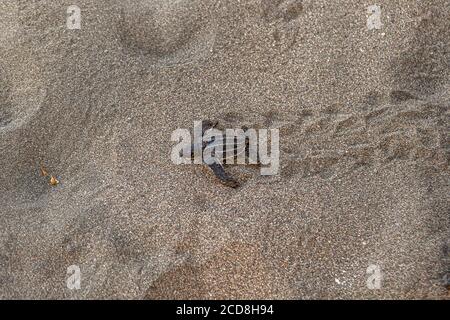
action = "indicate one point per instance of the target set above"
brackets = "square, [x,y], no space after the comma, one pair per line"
[217,149]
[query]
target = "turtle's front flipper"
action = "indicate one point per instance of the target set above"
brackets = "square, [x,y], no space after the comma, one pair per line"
[220,173]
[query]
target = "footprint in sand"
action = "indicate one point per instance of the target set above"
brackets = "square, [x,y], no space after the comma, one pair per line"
[168,32]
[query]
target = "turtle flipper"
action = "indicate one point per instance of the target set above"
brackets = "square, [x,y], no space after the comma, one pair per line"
[224,178]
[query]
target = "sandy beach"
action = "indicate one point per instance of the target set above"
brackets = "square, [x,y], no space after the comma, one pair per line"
[361,100]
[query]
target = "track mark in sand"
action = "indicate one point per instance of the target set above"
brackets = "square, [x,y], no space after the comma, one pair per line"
[374,114]
[168,32]
[398,96]
[347,124]
[282,17]
[317,126]
[331,142]
[373,98]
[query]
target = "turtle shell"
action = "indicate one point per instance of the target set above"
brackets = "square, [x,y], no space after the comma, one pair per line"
[233,144]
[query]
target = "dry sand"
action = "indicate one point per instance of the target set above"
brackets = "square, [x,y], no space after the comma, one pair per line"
[364,129]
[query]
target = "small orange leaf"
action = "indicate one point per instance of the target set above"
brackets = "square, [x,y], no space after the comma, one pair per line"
[53,181]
